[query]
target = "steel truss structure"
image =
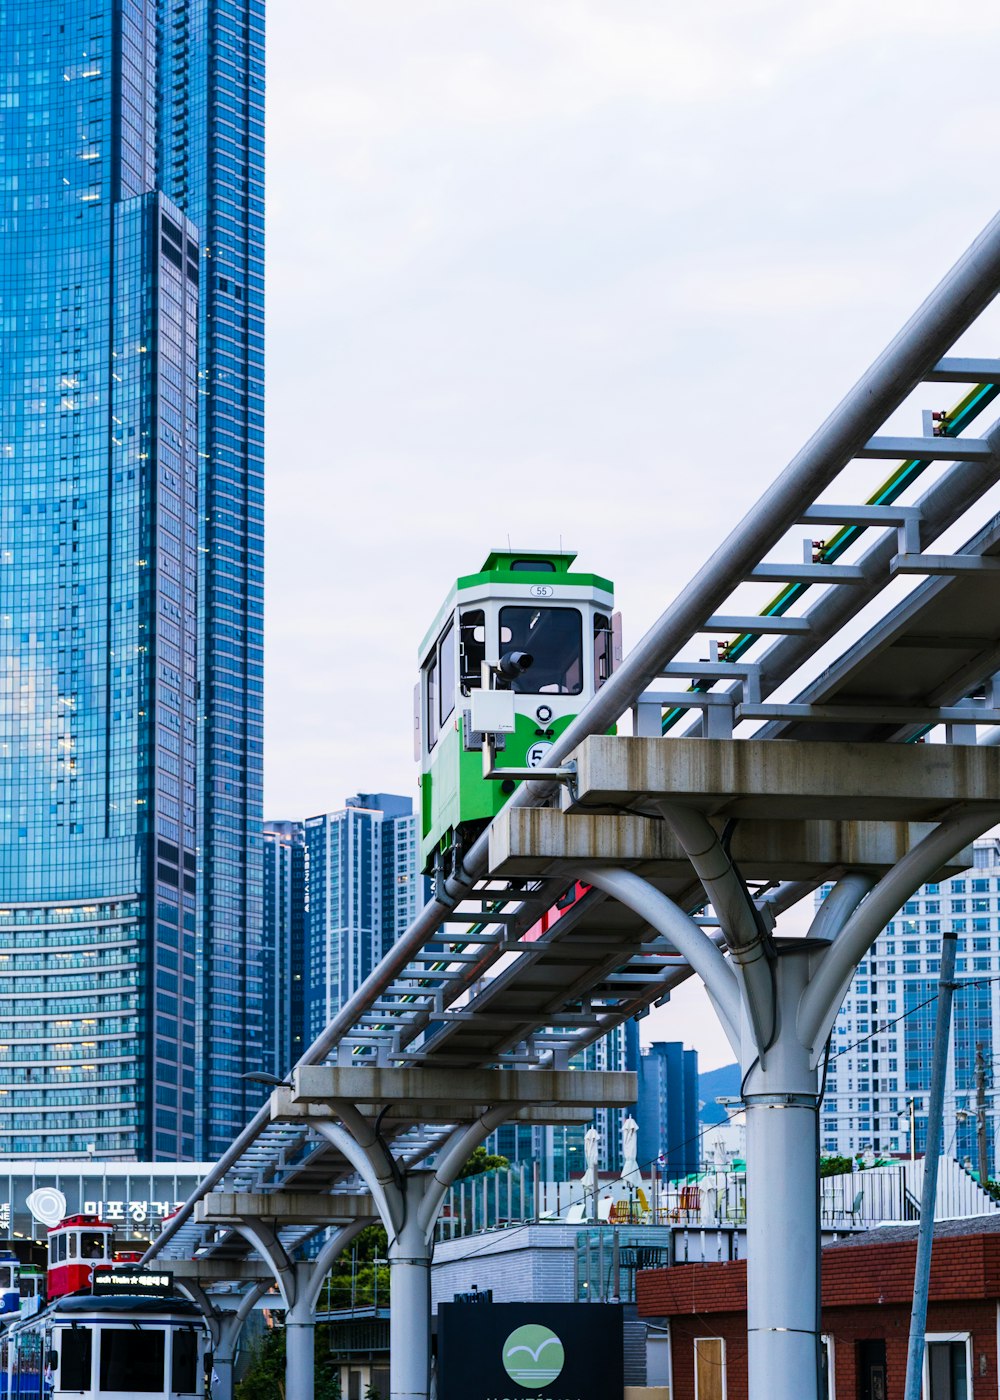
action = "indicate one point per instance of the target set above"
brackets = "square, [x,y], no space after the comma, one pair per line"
[473,985]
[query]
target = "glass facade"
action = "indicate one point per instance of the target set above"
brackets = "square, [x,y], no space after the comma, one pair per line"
[211,162]
[881,1048]
[283,959]
[362,890]
[119,652]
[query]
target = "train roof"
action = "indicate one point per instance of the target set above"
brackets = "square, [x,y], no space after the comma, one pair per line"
[123,1303]
[513,566]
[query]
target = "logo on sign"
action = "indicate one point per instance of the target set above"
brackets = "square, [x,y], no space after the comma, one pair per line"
[47,1205]
[536,754]
[533,1355]
[542,590]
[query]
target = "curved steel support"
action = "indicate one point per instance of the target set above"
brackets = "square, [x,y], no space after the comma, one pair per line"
[453,1157]
[690,941]
[839,905]
[828,986]
[265,1241]
[330,1251]
[750,945]
[369,1162]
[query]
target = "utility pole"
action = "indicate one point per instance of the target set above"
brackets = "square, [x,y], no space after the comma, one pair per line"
[932,1151]
[984,1163]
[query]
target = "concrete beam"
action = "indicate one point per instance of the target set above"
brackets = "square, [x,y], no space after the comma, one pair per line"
[531,841]
[423,1088]
[786,781]
[286,1109]
[217,1270]
[288,1207]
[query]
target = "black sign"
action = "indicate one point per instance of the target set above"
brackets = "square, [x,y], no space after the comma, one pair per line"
[545,1351]
[149,1283]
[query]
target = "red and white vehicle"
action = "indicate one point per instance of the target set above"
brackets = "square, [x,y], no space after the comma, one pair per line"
[77,1246]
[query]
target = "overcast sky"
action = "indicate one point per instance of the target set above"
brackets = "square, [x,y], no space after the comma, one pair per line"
[577,271]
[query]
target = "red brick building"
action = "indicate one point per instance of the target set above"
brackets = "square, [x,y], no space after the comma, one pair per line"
[867,1297]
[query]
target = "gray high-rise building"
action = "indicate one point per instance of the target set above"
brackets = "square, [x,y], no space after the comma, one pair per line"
[878,1079]
[362,890]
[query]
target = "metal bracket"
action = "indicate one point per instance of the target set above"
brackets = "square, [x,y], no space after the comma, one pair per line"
[565,774]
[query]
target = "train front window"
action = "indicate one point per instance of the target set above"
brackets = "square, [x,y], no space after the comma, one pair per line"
[74,1362]
[554,638]
[184,1366]
[5,1277]
[132,1361]
[91,1246]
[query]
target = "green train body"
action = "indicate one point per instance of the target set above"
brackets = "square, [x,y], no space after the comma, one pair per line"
[519,601]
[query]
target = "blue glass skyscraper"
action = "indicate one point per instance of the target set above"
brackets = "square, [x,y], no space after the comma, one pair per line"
[131,168]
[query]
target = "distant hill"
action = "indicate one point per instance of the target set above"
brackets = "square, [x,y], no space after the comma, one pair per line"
[716,1083]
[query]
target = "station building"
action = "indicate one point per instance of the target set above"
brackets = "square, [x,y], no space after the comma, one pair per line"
[134,1197]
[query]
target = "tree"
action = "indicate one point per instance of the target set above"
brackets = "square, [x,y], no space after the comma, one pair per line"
[483,1161]
[265,1376]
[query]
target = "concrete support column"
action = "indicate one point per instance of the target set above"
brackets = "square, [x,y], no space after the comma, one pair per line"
[410,1316]
[782,1102]
[300,1349]
[223,1378]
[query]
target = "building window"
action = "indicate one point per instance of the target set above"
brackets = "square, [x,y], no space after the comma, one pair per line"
[709,1368]
[948,1366]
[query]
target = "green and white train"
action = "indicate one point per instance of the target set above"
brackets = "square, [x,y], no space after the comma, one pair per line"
[545,633]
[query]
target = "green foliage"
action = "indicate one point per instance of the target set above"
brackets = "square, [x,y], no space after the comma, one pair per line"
[483,1161]
[835,1166]
[265,1378]
[355,1279]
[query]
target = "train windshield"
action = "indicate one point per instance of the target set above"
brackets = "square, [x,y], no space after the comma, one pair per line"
[91,1245]
[554,637]
[131,1360]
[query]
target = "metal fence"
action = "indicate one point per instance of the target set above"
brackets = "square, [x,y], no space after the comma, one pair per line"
[707,1200]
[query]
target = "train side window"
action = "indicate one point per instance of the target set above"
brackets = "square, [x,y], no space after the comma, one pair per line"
[554,639]
[431,674]
[5,1277]
[603,649]
[71,1246]
[184,1364]
[75,1358]
[447,672]
[472,648]
[132,1360]
[59,1249]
